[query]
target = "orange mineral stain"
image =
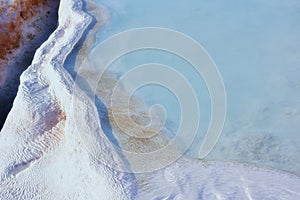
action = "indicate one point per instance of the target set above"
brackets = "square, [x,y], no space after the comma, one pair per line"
[12,18]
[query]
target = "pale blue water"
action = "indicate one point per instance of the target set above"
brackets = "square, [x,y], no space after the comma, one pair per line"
[256,46]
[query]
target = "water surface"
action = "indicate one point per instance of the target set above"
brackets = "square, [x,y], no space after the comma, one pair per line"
[255,45]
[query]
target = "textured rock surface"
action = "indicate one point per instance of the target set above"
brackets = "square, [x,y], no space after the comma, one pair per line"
[42,155]
[39,138]
[24,26]
[191,179]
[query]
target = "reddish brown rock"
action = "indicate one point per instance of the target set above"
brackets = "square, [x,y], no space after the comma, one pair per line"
[24,26]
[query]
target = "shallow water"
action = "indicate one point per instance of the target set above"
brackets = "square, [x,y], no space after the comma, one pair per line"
[255,45]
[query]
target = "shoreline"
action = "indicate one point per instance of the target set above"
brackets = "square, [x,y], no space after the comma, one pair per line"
[42,150]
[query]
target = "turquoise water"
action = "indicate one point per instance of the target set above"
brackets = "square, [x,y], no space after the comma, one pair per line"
[256,46]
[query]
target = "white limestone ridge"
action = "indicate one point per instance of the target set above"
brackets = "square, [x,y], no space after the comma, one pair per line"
[41,154]
[43,157]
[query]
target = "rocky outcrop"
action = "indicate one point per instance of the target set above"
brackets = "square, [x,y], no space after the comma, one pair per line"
[45,154]
[40,146]
[24,26]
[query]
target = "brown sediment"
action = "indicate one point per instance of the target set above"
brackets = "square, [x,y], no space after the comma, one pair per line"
[138,109]
[129,128]
[13,15]
[132,135]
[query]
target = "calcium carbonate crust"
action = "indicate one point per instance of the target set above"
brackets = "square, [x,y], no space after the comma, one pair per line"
[43,157]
